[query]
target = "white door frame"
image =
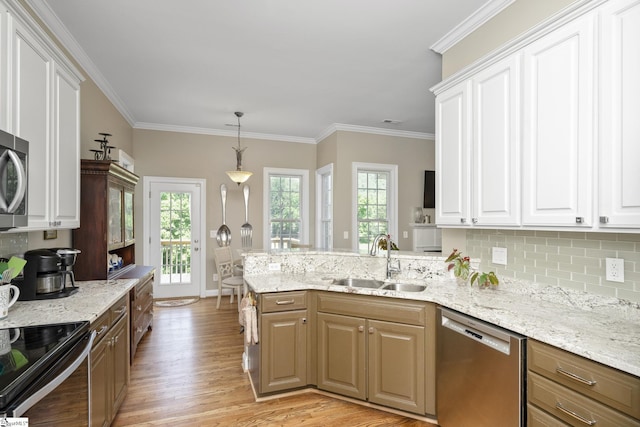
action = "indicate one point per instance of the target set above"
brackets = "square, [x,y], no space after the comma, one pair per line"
[146,231]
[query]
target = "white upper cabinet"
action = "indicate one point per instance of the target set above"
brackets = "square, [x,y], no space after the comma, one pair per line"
[44,109]
[453,132]
[496,144]
[558,137]
[477,149]
[619,202]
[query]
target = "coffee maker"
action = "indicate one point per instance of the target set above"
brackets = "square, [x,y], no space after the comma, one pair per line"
[45,274]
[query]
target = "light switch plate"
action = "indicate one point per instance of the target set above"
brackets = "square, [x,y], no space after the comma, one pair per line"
[345,235]
[499,255]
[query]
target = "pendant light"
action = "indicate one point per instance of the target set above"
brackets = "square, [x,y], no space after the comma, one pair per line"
[239,176]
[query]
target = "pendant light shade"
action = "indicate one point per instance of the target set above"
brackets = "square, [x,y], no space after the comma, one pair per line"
[239,176]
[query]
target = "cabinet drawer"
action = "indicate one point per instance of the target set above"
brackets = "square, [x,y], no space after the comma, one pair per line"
[119,309]
[413,313]
[284,301]
[538,418]
[607,385]
[101,326]
[571,407]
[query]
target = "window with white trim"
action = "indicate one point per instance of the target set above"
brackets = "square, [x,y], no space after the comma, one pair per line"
[287,205]
[375,198]
[324,207]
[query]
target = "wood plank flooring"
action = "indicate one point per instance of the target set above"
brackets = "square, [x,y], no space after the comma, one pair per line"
[187,372]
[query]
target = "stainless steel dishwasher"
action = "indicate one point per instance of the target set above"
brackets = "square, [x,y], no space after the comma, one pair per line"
[480,380]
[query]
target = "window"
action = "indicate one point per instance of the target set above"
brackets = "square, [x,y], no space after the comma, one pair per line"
[287,203]
[324,207]
[375,201]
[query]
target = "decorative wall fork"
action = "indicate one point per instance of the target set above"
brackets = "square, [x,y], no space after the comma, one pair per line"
[246,230]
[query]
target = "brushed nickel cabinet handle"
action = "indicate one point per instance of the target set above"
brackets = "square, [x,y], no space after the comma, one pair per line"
[285,302]
[104,328]
[575,377]
[575,415]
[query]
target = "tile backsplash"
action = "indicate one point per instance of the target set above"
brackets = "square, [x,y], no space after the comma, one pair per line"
[574,260]
[13,244]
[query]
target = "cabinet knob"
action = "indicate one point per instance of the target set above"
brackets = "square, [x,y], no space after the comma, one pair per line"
[604,220]
[371,329]
[474,220]
[360,328]
[463,220]
[579,220]
[139,308]
[304,320]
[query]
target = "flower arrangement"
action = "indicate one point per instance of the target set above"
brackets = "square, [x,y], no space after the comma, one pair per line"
[461,266]
[382,244]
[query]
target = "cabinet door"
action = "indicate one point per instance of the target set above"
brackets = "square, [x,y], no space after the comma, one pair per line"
[127,213]
[284,350]
[452,156]
[5,105]
[65,184]
[31,112]
[115,217]
[558,177]
[341,355]
[620,103]
[397,365]
[120,360]
[495,153]
[99,363]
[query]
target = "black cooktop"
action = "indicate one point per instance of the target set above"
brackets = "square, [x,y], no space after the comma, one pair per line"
[26,353]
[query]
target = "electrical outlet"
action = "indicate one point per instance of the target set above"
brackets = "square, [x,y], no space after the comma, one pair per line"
[405,234]
[345,235]
[499,255]
[274,266]
[615,270]
[215,277]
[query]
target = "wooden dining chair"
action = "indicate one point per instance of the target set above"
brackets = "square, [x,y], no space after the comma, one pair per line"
[227,276]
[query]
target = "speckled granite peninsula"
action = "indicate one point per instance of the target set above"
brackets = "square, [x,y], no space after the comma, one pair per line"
[603,329]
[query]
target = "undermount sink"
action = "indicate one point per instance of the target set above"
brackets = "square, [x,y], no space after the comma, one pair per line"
[359,283]
[403,287]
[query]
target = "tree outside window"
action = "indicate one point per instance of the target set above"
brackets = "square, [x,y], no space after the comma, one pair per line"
[372,206]
[284,210]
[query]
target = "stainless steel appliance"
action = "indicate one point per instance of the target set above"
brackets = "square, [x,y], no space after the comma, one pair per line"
[45,274]
[480,378]
[14,159]
[42,368]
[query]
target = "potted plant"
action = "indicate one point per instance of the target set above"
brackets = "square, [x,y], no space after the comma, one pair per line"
[485,280]
[461,266]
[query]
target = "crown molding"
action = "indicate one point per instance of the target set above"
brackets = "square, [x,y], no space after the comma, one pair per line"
[373,130]
[220,132]
[51,20]
[470,24]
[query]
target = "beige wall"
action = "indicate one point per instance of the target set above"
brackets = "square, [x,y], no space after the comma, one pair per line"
[413,157]
[511,22]
[171,154]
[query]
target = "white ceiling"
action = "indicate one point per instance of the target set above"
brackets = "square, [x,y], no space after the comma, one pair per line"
[296,68]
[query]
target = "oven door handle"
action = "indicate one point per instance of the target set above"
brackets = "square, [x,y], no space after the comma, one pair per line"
[26,404]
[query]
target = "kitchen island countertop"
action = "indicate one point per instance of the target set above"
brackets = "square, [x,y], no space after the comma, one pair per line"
[603,329]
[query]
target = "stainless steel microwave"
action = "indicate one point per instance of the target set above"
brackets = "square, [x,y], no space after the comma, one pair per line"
[14,161]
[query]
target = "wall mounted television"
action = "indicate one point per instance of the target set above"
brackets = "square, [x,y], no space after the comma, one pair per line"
[429,190]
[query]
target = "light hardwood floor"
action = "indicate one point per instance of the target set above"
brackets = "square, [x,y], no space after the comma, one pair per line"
[187,372]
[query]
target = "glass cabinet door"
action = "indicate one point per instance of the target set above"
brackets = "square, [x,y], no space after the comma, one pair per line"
[129,236]
[115,216]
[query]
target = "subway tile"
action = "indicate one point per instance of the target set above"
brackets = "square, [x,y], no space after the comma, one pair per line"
[572,251]
[560,258]
[559,242]
[547,264]
[633,296]
[525,276]
[600,253]
[587,244]
[545,278]
[601,236]
[559,274]
[535,270]
[586,278]
[573,268]
[547,234]
[574,235]
[629,237]
[536,240]
[618,246]
[571,284]
[602,290]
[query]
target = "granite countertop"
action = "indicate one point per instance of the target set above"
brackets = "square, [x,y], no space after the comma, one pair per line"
[92,300]
[598,328]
